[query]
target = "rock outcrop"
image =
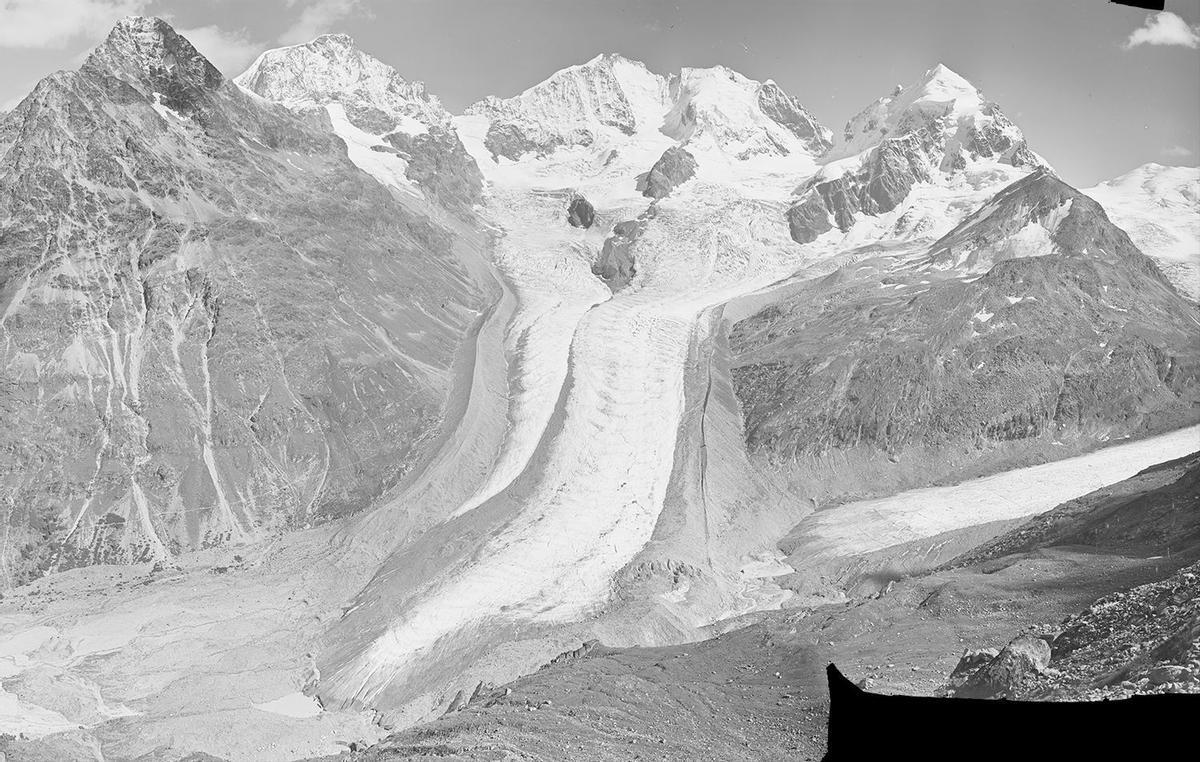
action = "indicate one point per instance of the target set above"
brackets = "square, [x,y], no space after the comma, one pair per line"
[1008,674]
[786,111]
[580,213]
[439,164]
[616,266]
[675,167]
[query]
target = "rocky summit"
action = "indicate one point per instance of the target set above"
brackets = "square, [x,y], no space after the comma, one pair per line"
[591,422]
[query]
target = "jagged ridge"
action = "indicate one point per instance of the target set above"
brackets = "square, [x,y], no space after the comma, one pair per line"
[930,132]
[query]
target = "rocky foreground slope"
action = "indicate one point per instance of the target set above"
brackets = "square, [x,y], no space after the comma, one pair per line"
[1146,639]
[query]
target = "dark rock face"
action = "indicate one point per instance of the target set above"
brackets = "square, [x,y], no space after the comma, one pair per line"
[438,162]
[207,315]
[675,167]
[580,213]
[994,139]
[616,266]
[971,661]
[1089,340]
[149,50]
[884,180]
[808,220]
[511,142]
[787,111]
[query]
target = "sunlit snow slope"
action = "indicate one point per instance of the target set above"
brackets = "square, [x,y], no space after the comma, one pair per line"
[1160,209]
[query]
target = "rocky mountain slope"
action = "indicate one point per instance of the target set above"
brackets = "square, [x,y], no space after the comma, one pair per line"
[1036,320]
[214,326]
[1160,209]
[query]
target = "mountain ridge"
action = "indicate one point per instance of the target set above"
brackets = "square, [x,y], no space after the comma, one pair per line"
[330,68]
[127,319]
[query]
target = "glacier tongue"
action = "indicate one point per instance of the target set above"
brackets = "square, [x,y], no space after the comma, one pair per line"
[574,490]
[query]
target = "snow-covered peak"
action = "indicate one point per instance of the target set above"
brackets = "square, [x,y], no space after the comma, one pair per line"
[948,112]
[330,69]
[937,140]
[611,99]
[1157,183]
[609,90]
[941,83]
[1159,207]
[606,97]
[740,116]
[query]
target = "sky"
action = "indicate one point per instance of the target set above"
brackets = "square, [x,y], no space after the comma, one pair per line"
[1097,88]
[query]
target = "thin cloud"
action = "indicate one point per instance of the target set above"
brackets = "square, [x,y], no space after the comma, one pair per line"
[55,23]
[230,52]
[316,19]
[1177,152]
[1164,28]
